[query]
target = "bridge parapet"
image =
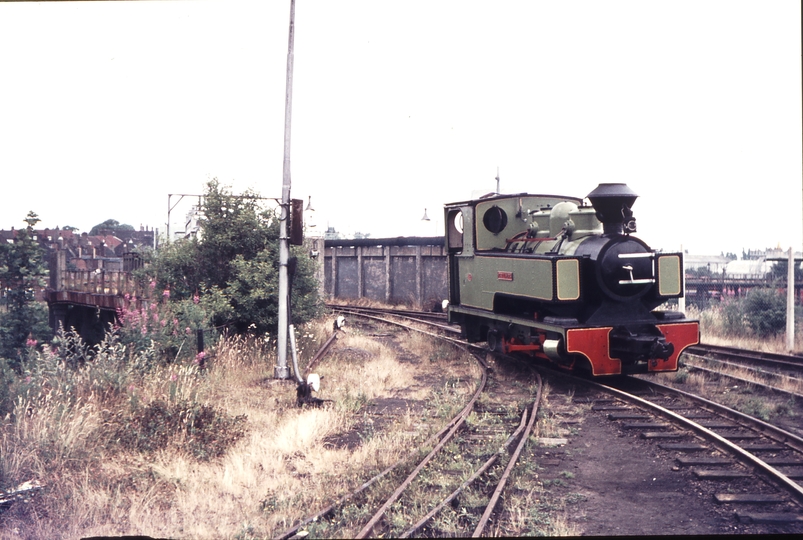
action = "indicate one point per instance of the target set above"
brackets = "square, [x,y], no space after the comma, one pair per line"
[114,282]
[77,296]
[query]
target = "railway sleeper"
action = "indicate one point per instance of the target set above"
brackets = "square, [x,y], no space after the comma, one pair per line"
[769,518]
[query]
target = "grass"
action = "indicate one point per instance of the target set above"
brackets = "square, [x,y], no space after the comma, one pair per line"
[717,329]
[738,393]
[127,447]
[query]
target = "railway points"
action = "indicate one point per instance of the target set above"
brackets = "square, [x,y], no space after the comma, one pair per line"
[675,447]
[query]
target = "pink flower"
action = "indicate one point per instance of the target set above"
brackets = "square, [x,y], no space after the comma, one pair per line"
[187,331]
[196,299]
[166,293]
[30,342]
[153,285]
[131,388]
[200,357]
[163,323]
[173,377]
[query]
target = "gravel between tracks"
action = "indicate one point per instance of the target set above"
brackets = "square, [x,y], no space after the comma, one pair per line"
[612,482]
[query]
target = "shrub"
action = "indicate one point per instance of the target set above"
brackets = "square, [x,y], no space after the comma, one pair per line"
[234,267]
[22,271]
[200,430]
[167,329]
[765,312]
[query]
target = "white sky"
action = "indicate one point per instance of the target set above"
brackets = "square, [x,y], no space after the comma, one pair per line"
[105,108]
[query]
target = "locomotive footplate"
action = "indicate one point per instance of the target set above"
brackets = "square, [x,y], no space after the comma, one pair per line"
[656,350]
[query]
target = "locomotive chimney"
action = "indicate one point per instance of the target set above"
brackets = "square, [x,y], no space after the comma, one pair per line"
[612,203]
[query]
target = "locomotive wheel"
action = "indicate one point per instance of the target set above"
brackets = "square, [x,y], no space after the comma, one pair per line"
[494,341]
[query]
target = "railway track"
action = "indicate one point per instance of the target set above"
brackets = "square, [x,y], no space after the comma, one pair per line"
[431,319]
[470,458]
[750,468]
[758,466]
[751,358]
[761,362]
[777,372]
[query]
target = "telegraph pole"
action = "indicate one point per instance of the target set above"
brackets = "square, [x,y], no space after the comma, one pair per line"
[281,371]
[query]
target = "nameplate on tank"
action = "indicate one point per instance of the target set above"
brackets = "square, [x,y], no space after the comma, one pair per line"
[504,276]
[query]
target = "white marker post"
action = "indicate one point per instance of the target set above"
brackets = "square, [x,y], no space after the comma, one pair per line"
[790,302]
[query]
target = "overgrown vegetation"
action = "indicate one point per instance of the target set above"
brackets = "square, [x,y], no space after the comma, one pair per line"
[761,315]
[104,427]
[73,412]
[233,268]
[123,444]
[23,320]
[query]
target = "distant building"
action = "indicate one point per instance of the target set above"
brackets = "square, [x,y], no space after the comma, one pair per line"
[106,250]
[192,225]
[748,269]
[331,234]
[715,263]
[762,254]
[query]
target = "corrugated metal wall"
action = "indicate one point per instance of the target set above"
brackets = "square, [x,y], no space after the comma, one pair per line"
[410,271]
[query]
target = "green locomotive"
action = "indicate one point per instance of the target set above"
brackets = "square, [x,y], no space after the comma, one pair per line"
[564,281]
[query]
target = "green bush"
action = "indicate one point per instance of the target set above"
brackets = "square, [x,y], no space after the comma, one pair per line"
[233,268]
[22,271]
[765,312]
[166,331]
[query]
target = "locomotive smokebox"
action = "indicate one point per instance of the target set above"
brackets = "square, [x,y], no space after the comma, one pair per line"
[612,203]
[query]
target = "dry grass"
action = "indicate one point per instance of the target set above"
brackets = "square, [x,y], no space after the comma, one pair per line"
[534,512]
[738,388]
[715,330]
[280,466]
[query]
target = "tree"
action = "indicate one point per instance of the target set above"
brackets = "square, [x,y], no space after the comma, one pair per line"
[234,266]
[110,225]
[22,272]
[780,272]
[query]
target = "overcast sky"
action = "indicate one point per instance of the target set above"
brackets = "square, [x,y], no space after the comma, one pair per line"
[398,106]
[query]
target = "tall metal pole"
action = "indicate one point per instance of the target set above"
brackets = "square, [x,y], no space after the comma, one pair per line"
[790,302]
[281,371]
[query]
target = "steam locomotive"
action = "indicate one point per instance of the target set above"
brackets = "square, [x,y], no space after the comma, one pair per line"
[566,282]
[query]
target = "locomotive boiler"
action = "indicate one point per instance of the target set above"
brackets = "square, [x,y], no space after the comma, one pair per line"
[565,281]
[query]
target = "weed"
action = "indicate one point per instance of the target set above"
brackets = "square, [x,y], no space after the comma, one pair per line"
[129,443]
[681,375]
[757,407]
